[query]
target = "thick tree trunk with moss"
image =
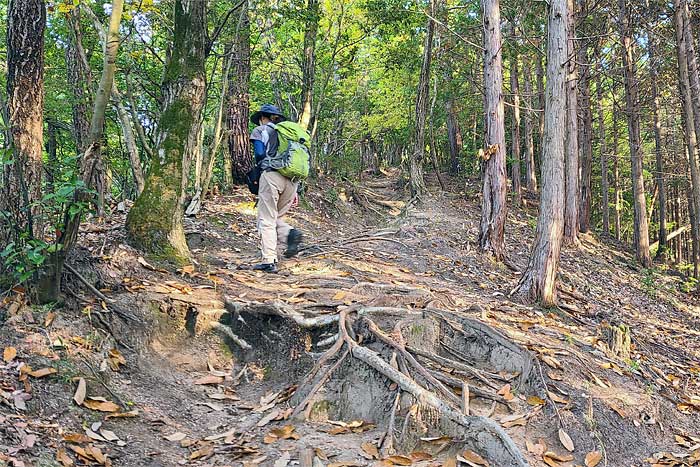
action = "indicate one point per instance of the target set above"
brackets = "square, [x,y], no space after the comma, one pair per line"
[26,21]
[493,203]
[154,224]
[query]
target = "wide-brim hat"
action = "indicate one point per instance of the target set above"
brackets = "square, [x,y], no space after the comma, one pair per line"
[266,109]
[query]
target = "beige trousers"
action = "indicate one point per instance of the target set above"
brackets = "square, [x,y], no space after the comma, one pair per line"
[275,197]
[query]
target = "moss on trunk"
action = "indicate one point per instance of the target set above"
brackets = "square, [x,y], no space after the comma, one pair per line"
[154,224]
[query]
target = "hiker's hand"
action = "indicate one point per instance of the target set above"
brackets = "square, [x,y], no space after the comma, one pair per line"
[295,201]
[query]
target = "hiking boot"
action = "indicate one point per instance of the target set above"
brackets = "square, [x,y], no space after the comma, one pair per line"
[294,239]
[266,267]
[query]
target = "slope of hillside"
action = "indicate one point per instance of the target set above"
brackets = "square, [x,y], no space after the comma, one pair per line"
[614,380]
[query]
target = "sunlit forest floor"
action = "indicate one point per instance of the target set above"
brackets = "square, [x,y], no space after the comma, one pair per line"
[167,389]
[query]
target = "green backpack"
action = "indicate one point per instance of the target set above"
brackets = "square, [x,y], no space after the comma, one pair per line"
[293,158]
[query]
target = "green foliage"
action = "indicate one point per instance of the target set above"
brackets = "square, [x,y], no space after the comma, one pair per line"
[649,282]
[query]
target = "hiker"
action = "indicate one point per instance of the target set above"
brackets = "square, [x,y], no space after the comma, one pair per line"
[276,193]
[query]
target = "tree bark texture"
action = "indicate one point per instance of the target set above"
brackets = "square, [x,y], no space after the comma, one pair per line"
[538,282]
[603,148]
[529,156]
[641,226]
[26,21]
[659,175]
[690,84]
[80,79]
[154,224]
[515,134]
[586,132]
[309,65]
[454,135]
[238,100]
[571,225]
[493,204]
[422,104]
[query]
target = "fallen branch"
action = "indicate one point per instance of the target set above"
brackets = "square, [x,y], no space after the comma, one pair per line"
[123,314]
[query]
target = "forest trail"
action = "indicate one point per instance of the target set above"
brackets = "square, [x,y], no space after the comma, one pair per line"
[194,405]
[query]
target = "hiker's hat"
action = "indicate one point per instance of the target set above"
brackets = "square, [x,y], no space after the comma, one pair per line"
[266,109]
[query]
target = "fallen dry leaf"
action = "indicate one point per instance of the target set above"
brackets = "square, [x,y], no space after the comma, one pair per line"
[400,460]
[371,450]
[210,379]
[177,436]
[551,361]
[101,406]
[50,316]
[566,440]
[116,359]
[276,434]
[109,435]
[474,458]
[420,456]
[536,449]
[9,354]
[43,372]
[78,438]
[593,458]
[557,398]
[450,462]
[535,401]
[63,457]
[204,452]
[558,457]
[505,391]
[80,392]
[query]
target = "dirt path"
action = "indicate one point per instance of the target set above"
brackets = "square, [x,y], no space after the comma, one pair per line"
[198,405]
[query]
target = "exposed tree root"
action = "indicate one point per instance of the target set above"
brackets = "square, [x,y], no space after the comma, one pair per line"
[390,358]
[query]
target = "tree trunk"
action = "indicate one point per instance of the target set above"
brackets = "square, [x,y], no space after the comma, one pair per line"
[418,155]
[126,118]
[538,282]
[80,79]
[213,149]
[313,13]
[515,135]
[530,169]
[129,141]
[603,147]
[26,21]
[661,252]
[91,166]
[539,73]
[238,101]
[571,225]
[586,131]
[454,135]
[51,151]
[690,84]
[154,224]
[616,177]
[641,226]
[493,203]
